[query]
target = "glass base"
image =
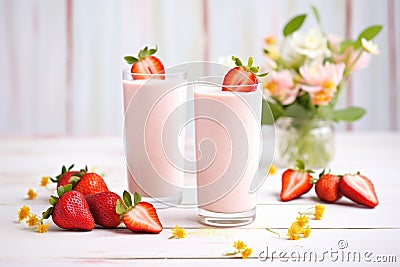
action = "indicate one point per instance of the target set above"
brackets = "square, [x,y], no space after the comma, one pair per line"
[164,202]
[226,219]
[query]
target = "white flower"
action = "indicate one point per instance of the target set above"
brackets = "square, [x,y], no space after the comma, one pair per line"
[369,47]
[302,47]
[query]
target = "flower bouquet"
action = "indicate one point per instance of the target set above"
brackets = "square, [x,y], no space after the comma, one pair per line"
[307,73]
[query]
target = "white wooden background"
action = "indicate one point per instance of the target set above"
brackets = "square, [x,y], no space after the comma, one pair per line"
[61,60]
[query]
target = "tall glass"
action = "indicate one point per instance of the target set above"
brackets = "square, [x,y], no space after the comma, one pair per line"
[228,143]
[152,135]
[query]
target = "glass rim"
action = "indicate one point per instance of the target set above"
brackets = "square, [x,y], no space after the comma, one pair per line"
[152,75]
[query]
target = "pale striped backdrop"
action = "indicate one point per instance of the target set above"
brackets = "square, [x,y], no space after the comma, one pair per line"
[61,60]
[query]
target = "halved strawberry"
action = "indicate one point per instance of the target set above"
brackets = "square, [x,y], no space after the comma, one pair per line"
[141,217]
[359,189]
[242,78]
[146,63]
[327,187]
[295,182]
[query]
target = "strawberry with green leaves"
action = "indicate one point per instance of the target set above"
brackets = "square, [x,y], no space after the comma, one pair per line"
[63,178]
[146,63]
[138,216]
[296,182]
[88,182]
[242,78]
[69,210]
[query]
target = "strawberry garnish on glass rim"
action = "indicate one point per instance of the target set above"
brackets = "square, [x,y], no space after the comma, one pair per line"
[146,63]
[242,78]
[139,217]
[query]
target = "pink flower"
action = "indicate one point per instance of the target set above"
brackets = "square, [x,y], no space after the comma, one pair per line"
[280,85]
[349,56]
[321,81]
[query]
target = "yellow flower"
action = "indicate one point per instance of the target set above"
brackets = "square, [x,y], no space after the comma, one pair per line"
[319,211]
[302,220]
[246,253]
[45,181]
[32,220]
[272,170]
[294,231]
[23,213]
[239,245]
[31,194]
[42,228]
[94,169]
[307,232]
[178,232]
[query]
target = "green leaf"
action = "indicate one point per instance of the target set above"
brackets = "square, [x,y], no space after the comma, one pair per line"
[53,200]
[263,74]
[237,61]
[67,187]
[130,59]
[325,112]
[127,199]
[46,214]
[120,208]
[74,180]
[137,198]
[153,51]
[316,14]
[254,69]
[70,167]
[348,114]
[63,169]
[300,165]
[294,24]
[270,112]
[60,191]
[250,62]
[296,111]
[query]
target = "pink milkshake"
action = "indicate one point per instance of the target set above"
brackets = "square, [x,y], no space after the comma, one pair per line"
[152,136]
[228,137]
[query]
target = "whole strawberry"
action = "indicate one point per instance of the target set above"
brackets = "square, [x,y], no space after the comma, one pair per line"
[66,174]
[327,187]
[103,208]
[69,210]
[88,182]
[139,217]
[295,182]
[360,189]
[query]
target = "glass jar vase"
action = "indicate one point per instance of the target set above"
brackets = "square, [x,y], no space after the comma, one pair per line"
[310,140]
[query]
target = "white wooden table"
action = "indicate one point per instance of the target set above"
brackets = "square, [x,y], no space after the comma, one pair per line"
[371,232]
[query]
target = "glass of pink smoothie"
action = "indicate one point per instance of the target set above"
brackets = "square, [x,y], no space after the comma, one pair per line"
[152,135]
[228,140]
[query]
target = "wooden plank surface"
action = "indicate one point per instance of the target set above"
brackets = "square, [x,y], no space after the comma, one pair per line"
[24,160]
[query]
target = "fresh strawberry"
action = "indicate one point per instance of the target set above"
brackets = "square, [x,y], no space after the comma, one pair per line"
[359,189]
[237,78]
[102,205]
[88,182]
[141,217]
[69,210]
[146,63]
[327,187]
[63,178]
[295,182]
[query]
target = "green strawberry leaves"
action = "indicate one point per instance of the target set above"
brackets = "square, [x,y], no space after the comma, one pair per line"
[53,200]
[249,67]
[145,52]
[123,207]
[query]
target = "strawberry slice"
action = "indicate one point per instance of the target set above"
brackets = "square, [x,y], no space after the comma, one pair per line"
[239,77]
[295,182]
[146,63]
[359,189]
[141,217]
